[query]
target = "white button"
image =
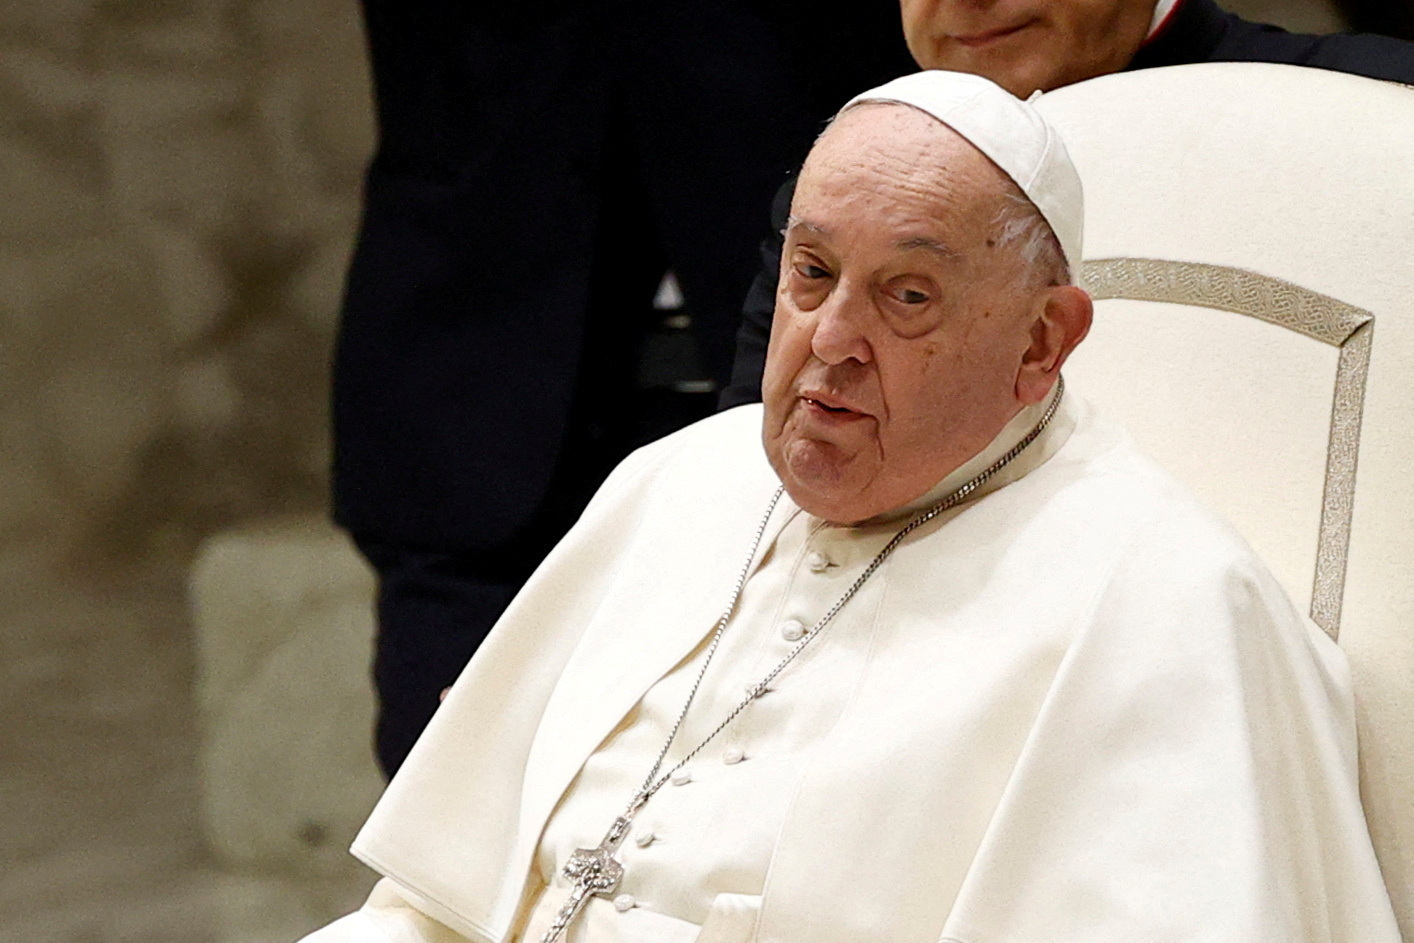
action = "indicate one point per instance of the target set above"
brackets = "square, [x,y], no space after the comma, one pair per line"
[681,777]
[751,689]
[624,902]
[644,838]
[817,562]
[732,755]
[792,631]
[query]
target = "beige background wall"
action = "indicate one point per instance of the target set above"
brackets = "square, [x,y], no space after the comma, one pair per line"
[179,185]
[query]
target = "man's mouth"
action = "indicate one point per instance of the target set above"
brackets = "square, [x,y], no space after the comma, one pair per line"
[830,408]
[976,40]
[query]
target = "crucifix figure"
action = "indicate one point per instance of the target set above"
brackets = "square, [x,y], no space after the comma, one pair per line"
[593,871]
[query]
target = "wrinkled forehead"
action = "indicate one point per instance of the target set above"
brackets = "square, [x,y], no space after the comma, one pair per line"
[887,126]
[888,144]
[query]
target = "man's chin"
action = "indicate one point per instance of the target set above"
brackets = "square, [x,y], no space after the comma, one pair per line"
[1018,75]
[827,507]
[824,482]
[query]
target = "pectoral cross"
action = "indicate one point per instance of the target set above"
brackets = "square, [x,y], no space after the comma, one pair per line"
[593,871]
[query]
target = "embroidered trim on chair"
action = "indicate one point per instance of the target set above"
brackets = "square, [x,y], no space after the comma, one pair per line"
[1298,309]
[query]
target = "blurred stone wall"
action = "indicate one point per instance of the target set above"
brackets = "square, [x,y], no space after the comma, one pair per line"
[179,187]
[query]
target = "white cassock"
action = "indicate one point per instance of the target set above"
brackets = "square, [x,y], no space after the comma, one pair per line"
[1074,708]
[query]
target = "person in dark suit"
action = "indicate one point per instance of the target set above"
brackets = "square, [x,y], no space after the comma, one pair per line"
[539,166]
[1059,42]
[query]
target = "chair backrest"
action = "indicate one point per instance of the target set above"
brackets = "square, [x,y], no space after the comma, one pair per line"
[1249,228]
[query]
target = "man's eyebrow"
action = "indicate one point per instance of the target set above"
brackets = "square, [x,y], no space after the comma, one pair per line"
[903,245]
[923,242]
[795,222]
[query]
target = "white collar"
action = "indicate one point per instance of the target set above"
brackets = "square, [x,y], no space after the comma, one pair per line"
[1161,13]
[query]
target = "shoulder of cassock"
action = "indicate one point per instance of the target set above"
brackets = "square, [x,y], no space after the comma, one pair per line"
[1167,652]
[464,775]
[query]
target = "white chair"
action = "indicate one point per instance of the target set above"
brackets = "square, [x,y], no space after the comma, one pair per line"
[1251,228]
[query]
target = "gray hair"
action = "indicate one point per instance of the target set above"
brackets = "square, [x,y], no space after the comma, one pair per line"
[1020,225]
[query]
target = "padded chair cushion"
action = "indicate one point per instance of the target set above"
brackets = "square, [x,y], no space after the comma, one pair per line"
[1305,179]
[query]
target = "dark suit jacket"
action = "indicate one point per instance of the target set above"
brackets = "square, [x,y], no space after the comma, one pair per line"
[1198,31]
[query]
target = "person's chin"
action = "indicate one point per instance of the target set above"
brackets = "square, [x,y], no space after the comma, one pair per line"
[1018,79]
[1013,66]
[822,478]
[827,505]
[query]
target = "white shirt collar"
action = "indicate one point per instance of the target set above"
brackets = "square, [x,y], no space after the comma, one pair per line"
[1161,13]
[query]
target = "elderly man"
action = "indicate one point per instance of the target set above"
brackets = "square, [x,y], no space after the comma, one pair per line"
[1050,43]
[981,672]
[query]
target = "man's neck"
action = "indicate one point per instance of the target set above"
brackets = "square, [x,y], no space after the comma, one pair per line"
[1019,427]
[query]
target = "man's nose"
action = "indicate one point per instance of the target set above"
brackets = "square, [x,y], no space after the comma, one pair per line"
[839,327]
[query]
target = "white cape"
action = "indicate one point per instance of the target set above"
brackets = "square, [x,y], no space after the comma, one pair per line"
[1090,715]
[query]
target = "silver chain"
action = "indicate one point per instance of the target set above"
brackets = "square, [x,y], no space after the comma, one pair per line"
[651,785]
[648,787]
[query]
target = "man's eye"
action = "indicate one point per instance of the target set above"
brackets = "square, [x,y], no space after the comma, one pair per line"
[910,296]
[811,271]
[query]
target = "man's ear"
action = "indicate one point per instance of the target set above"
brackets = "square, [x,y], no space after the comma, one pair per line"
[1061,321]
